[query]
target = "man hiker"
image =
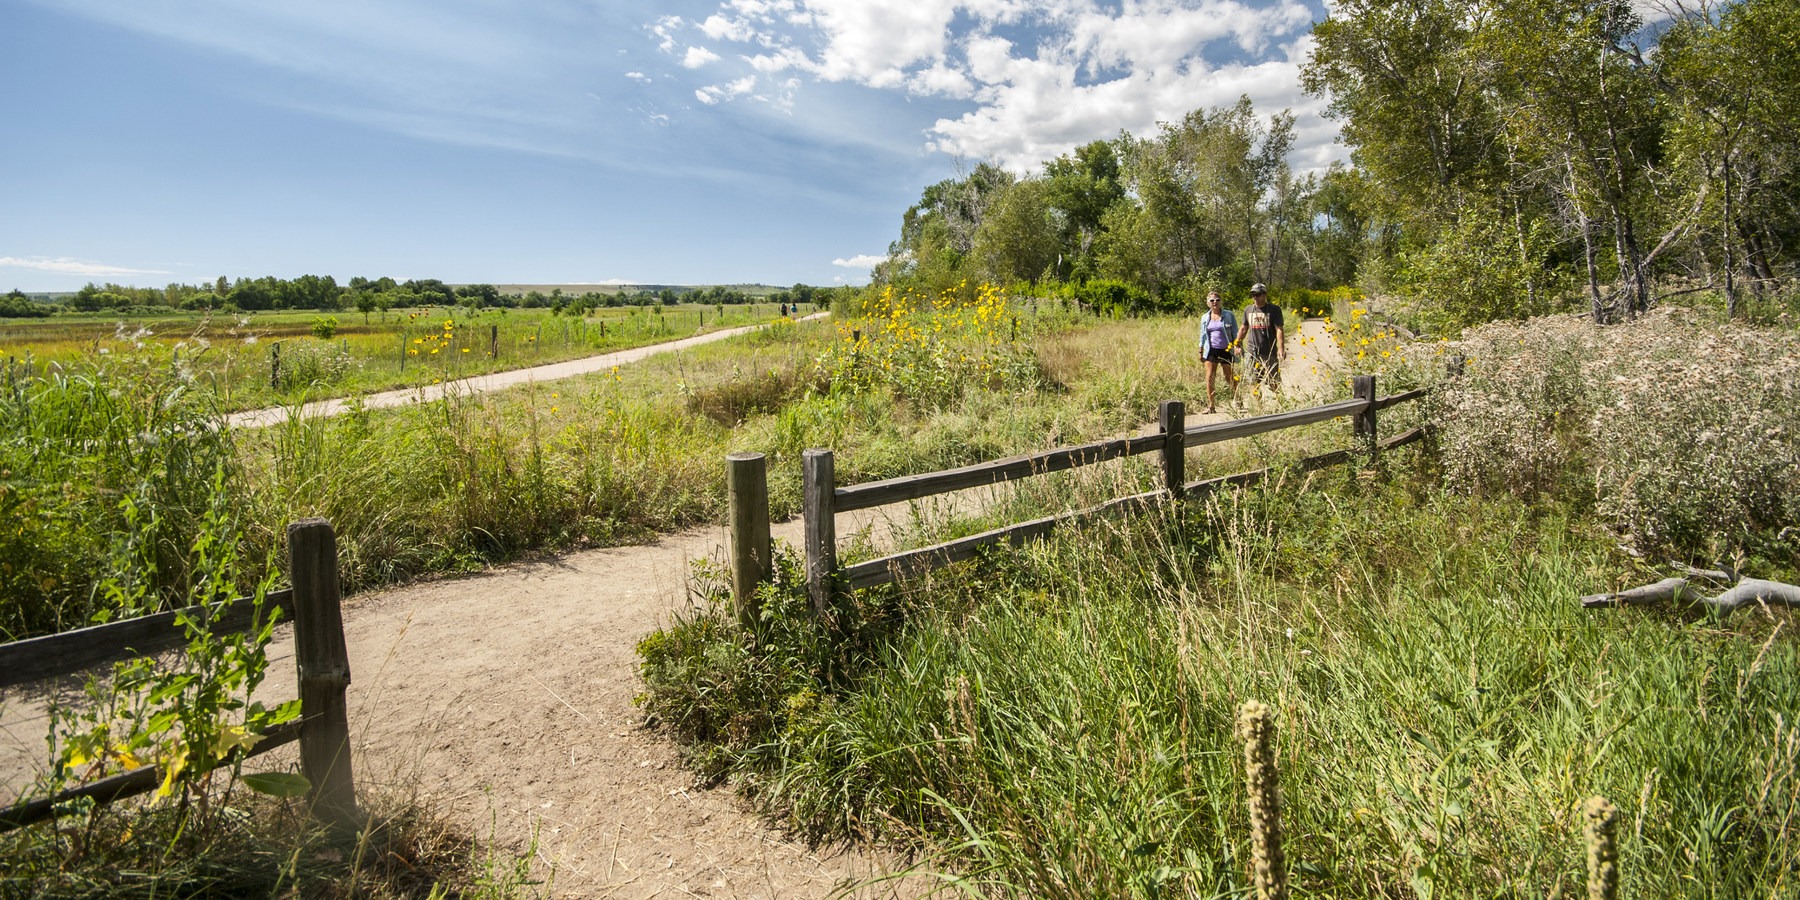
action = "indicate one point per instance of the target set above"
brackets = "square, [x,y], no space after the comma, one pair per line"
[1265,344]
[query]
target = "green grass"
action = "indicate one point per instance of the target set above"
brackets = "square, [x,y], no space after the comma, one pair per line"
[1059,722]
[252,360]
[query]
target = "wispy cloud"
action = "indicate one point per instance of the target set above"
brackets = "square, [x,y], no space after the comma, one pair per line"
[65,266]
[1017,81]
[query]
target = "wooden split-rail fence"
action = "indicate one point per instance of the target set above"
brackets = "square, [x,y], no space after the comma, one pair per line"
[320,654]
[824,498]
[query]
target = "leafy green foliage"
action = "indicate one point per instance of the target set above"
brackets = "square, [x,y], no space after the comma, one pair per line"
[107,470]
[187,719]
[15,305]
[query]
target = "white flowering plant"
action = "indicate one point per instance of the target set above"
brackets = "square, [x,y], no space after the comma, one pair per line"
[1684,433]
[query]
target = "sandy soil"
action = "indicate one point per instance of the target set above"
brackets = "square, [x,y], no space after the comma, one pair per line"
[505,698]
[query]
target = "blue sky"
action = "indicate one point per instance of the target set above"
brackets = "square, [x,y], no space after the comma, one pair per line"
[570,141]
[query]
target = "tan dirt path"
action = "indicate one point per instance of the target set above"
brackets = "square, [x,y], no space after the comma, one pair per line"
[504,700]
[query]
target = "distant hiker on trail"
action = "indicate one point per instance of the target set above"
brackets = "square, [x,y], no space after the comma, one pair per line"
[1218,343]
[1265,344]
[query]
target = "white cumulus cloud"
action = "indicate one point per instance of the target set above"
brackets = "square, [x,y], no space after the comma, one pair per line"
[1037,78]
[865,261]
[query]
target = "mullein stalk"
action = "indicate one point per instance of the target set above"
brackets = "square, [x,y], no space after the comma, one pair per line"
[1600,832]
[1256,727]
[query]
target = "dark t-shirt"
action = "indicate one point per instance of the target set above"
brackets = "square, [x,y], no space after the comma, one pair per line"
[1259,324]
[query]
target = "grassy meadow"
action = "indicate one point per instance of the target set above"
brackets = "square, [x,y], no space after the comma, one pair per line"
[272,358]
[1058,721]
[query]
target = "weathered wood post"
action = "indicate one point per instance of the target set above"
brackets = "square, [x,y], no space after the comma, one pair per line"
[748,495]
[1363,388]
[821,526]
[324,668]
[275,366]
[493,342]
[1171,418]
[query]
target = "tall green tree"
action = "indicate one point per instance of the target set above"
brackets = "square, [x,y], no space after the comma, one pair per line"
[937,234]
[1734,79]
[1018,236]
[1083,185]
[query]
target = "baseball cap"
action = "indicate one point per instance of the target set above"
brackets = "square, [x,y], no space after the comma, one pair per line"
[1258,288]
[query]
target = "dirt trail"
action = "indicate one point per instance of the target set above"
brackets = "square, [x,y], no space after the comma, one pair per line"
[505,698]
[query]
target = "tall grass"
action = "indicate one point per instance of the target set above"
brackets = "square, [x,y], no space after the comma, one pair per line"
[105,473]
[1683,435]
[1060,723]
[259,847]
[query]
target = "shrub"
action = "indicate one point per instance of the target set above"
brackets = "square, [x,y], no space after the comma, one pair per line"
[325,327]
[311,366]
[1684,434]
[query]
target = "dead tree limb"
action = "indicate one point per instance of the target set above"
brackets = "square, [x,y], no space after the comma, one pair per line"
[1693,585]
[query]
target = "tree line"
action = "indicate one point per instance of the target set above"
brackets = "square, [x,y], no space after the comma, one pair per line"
[1509,157]
[1209,201]
[367,295]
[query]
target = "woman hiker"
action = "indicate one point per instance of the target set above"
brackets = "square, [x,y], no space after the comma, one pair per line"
[1218,337]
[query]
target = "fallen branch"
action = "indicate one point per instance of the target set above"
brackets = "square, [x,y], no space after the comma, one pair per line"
[1693,585]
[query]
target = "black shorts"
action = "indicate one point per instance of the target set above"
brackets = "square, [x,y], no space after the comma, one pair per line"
[1218,355]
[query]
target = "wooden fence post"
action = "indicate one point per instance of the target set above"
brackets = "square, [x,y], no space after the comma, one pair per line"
[1171,418]
[1363,388]
[748,494]
[275,366]
[821,526]
[493,342]
[324,667]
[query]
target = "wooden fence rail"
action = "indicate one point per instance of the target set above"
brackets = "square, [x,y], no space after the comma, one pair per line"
[320,656]
[824,499]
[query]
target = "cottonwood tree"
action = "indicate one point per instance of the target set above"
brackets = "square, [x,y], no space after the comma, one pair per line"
[1734,75]
[1017,238]
[1083,186]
